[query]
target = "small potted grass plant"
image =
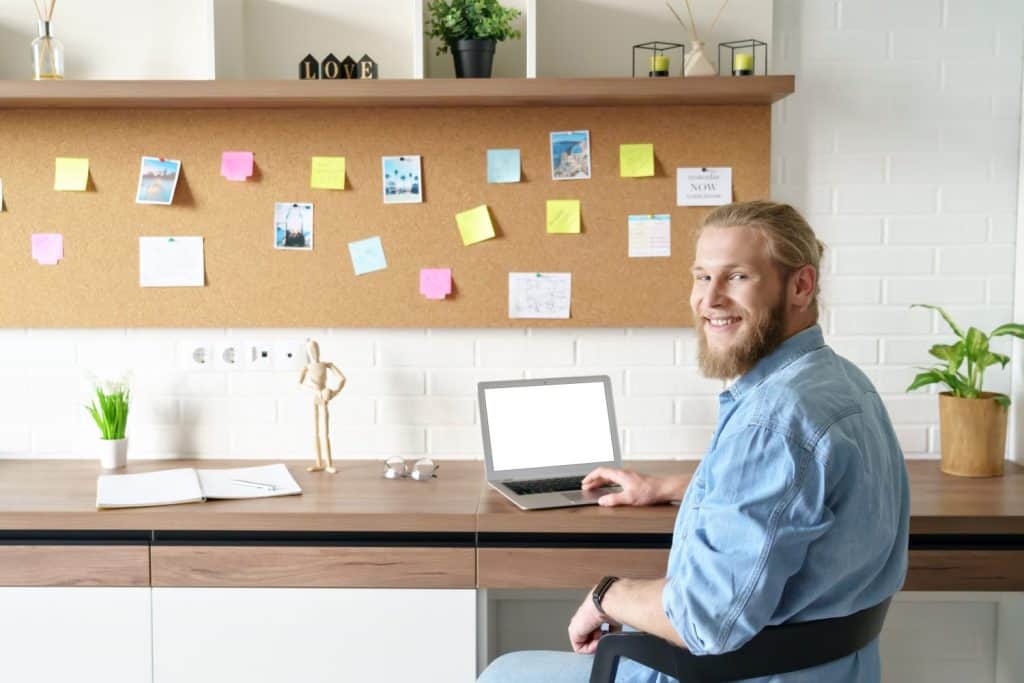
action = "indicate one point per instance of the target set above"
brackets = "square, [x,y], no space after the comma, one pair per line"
[972,422]
[109,409]
[470,29]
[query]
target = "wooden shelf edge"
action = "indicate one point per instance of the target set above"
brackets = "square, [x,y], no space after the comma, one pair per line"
[439,92]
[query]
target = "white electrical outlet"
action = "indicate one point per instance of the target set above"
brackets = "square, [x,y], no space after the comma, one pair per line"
[196,355]
[290,355]
[259,356]
[227,356]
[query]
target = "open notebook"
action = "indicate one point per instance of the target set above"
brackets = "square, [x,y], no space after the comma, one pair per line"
[189,485]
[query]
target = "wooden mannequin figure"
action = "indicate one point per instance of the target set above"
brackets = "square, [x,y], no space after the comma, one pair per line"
[314,375]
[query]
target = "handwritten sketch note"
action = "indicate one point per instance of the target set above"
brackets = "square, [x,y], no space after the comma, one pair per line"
[539,295]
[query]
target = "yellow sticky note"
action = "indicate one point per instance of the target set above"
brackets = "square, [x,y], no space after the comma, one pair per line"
[475,225]
[636,161]
[72,174]
[328,173]
[563,216]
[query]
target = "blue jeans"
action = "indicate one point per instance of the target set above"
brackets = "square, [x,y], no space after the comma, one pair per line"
[538,666]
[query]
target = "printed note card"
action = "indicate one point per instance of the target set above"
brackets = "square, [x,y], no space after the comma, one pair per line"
[328,173]
[703,186]
[503,166]
[475,225]
[171,262]
[539,295]
[563,216]
[236,166]
[636,161]
[435,283]
[72,175]
[650,235]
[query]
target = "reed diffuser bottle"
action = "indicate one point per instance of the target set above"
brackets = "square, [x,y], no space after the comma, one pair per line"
[47,51]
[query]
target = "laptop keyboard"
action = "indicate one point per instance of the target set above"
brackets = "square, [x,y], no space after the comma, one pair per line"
[528,486]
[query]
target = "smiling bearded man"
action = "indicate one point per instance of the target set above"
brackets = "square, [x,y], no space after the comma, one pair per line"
[800,508]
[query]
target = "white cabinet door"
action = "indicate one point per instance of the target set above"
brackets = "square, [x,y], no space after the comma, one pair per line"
[57,635]
[313,635]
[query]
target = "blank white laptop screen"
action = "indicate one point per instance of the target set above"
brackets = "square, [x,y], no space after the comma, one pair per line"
[553,424]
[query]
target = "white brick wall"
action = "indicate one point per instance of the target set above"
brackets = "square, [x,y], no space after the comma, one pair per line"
[900,145]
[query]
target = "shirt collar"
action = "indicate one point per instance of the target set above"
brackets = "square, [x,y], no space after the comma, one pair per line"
[788,351]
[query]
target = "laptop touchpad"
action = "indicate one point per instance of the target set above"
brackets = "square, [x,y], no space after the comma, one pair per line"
[591,495]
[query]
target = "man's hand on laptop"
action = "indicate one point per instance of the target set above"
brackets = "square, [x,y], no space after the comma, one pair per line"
[637,489]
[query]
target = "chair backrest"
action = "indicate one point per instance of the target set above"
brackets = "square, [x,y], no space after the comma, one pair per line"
[775,650]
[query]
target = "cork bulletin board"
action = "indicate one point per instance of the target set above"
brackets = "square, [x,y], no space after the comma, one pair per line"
[249,283]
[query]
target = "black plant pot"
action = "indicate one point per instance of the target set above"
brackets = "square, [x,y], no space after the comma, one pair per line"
[473,58]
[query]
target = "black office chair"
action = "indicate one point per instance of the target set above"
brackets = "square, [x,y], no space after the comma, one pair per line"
[775,650]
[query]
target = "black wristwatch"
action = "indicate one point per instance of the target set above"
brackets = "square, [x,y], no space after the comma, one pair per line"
[602,587]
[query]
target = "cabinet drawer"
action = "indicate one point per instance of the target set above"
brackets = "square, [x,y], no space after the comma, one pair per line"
[313,567]
[564,567]
[965,570]
[74,565]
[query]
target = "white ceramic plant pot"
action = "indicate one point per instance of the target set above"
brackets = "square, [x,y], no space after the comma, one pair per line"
[113,453]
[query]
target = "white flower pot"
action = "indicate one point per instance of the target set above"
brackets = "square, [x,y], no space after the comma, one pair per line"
[113,453]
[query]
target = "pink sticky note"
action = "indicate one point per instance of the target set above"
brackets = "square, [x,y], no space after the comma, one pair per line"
[236,165]
[48,248]
[435,283]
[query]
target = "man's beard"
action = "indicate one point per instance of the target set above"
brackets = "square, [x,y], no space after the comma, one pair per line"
[764,333]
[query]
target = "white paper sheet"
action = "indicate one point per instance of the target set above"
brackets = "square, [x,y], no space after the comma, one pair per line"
[163,487]
[703,186]
[539,295]
[171,262]
[650,235]
[222,483]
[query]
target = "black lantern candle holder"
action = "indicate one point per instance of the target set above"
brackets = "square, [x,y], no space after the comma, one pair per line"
[743,57]
[658,58]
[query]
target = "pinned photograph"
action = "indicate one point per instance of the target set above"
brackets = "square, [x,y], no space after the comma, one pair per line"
[157,179]
[402,180]
[293,225]
[570,155]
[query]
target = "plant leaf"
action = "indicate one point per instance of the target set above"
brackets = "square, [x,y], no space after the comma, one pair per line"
[925,378]
[1012,329]
[976,343]
[945,316]
[1002,400]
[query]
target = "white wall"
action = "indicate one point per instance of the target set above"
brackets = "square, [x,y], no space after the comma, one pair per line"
[900,144]
[112,39]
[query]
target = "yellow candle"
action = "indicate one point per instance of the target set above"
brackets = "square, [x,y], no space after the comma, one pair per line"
[743,62]
[659,63]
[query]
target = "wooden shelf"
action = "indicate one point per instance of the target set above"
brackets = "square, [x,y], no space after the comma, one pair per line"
[440,92]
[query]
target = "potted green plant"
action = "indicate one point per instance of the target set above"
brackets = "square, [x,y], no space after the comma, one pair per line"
[110,412]
[972,422]
[470,29]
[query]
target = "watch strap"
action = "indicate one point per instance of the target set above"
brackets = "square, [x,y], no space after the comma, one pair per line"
[599,591]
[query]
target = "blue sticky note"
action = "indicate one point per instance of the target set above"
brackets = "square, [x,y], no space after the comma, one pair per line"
[503,165]
[367,255]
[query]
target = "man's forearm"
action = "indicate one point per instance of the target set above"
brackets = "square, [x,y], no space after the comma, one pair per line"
[637,603]
[672,487]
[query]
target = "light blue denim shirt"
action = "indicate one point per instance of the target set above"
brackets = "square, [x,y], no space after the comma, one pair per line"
[800,510]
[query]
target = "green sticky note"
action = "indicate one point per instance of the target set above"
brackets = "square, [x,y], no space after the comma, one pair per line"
[328,173]
[72,174]
[475,225]
[563,216]
[636,161]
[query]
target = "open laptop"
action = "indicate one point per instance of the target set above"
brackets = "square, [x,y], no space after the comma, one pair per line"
[542,436]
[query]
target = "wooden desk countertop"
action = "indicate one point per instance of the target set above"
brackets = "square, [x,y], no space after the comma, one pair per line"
[61,494]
